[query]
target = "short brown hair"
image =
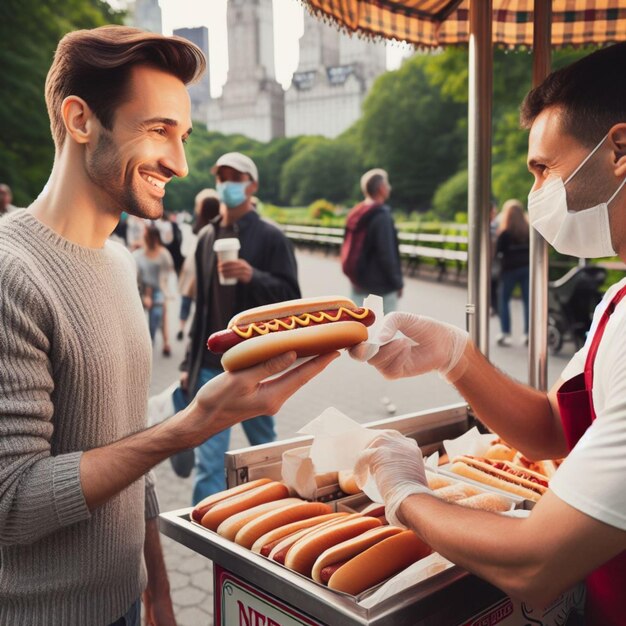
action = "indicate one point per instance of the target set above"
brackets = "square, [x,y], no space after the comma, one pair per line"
[95,65]
[591,92]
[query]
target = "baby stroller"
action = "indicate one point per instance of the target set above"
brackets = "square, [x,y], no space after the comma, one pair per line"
[571,302]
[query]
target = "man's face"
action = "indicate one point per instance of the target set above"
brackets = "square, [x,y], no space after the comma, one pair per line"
[555,153]
[132,163]
[228,174]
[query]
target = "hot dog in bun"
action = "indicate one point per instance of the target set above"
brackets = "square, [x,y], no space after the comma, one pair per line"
[309,326]
[503,475]
[379,562]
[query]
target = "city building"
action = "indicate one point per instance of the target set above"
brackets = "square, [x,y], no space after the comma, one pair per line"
[146,14]
[200,92]
[252,101]
[334,74]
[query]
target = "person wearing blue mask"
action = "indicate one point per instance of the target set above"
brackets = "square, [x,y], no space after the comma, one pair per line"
[265,272]
[577,530]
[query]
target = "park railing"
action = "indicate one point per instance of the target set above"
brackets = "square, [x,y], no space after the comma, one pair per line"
[431,250]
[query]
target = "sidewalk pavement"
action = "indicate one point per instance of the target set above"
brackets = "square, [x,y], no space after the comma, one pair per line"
[353,388]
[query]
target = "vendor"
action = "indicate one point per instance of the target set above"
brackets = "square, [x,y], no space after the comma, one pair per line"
[577,154]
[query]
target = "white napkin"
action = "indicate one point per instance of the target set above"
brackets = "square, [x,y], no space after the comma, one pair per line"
[471,442]
[368,349]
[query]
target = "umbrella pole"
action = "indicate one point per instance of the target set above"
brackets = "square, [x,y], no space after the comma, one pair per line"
[538,326]
[479,172]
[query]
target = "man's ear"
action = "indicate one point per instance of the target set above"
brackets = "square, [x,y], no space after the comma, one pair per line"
[617,136]
[252,188]
[78,119]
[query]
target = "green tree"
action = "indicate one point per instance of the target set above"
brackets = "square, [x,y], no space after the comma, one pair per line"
[29,33]
[451,196]
[410,128]
[320,168]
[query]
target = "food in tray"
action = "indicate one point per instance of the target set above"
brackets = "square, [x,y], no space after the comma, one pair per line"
[455,492]
[215,513]
[546,468]
[379,562]
[310,326]
[234,523]
[336,556]
[347,482]
[204,505]
[503,475]
[260,525]
[279,552]
[500,451]
[304,552]
[435,481]
[266,543]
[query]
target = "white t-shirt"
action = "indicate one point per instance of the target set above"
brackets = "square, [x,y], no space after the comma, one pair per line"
[593,477]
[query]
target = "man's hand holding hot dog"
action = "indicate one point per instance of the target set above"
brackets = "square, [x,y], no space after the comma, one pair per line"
[427,345]
[396,464]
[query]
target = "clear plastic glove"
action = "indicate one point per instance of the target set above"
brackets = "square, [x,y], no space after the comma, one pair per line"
[427,345]
[397,466]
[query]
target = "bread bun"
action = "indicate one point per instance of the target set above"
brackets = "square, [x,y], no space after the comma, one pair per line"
[326,480]
[262,524]
[308,341]
[347,482]
[383,560]
[436,482]
[204,505]
[304,552]
[456,492]
[233,524]
[224,509]
[347,549]
[291,307]
[500,452]
[264,544]
[280,550]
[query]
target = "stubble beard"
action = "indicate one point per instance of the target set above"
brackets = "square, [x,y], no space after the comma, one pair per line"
[103,169]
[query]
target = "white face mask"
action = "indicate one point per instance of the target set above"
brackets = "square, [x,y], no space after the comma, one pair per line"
[586,233]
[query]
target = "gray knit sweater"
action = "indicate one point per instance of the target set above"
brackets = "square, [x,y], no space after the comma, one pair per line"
[75,367]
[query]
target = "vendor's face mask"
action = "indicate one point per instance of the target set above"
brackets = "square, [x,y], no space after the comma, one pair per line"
[231,193]
[585,233]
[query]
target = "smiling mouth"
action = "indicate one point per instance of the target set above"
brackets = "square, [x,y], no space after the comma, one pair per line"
[159,184]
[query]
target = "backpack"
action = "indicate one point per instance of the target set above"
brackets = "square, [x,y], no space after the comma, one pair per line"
[357,225]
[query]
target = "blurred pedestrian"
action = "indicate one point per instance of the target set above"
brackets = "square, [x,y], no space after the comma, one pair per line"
[494,219]
[154,263]
[265,272]
[207,207]
[6,197]
[175,242]
[370,253]
[512,252]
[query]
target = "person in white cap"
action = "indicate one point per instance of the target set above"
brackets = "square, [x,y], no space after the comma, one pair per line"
[266,272]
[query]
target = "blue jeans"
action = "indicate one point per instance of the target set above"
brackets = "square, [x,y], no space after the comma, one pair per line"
[390,300]
[508,280]
[185,308]
[132,617]
[209,477]
[155,313]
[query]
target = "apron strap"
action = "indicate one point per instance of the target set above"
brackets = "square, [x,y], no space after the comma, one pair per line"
[595,342]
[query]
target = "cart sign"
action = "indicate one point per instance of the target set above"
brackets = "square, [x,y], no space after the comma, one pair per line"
[237,603]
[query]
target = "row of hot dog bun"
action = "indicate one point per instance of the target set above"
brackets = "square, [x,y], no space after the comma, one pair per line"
[348,551]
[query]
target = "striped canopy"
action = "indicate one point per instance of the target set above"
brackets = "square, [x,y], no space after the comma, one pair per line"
[434,23]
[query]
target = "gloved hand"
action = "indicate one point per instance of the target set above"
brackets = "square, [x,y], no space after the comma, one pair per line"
[427,345]
[397,466]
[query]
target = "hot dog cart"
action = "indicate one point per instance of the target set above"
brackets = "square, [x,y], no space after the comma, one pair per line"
[251,590]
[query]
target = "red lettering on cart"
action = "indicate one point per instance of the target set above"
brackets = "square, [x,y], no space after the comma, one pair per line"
[494,615]
[249,616]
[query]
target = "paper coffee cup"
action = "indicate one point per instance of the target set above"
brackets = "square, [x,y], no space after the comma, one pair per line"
[227,250]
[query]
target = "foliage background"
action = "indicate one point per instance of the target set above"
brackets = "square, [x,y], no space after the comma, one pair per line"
[413,124]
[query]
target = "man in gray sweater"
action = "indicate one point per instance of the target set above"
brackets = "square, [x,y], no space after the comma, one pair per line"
[77,511]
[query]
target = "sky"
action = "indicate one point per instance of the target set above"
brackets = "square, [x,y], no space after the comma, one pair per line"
[288,28]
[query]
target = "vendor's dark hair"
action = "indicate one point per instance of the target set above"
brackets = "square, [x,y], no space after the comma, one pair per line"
[95,65]
[591,92]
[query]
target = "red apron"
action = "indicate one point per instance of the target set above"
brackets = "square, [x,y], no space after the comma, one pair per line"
[606,586]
